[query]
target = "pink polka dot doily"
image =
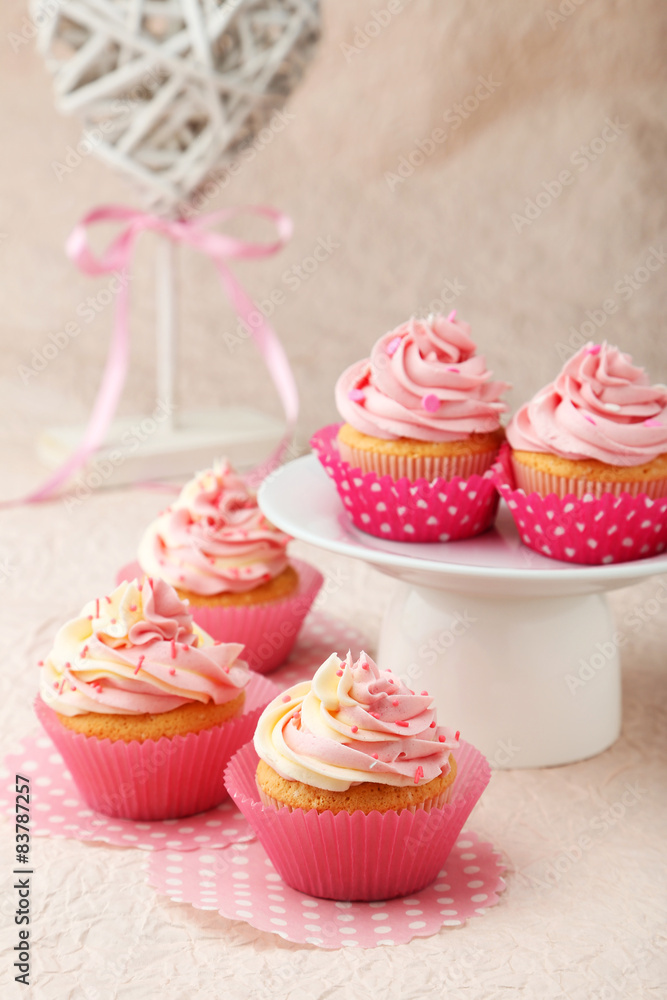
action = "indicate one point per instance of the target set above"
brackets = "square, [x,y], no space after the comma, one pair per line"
[241,884]
[58,811]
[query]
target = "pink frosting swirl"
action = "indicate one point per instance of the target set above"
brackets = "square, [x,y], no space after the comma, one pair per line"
[138,651]
[352,723]
[423,381]
[600,406]
[214,539]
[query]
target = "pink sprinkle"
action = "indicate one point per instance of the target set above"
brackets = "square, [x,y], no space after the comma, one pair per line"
[589,419]
[173,649]
[141,660]
[173,671]
[55,684]
[432,726]
[364,666]
[286,698]
[400,723]
[391,680]
[356,395]
[395,702]
[595,349]
[374,715]
[97,607]
[113,621]
[393,346]
[90,618]
[133,607]
[84,650]
[452,316]
[355,729]
[226,669]
[107,599]
[652,422]
[40,663]
[425,694]
[339,673]
[431,403]
[453,368]
[458,733]
[442,739]
[375,756]
[419,774]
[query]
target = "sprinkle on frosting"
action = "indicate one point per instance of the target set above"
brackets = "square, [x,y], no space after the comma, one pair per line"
[127,668]
[214,539]
[600,406]
[349,725]
[425,381]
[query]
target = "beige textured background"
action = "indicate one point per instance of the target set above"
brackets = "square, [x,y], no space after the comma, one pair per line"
[556,78]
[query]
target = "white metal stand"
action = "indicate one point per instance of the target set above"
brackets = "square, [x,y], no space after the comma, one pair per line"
[170,442]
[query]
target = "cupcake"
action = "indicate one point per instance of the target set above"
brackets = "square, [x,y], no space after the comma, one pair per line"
[352,787]
[584,469]
[220,553]
[144,707]
[412,462]
[600,427]
[422,406]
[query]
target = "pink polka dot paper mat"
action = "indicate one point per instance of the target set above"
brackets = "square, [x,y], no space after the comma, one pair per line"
[58,811]
[241,884]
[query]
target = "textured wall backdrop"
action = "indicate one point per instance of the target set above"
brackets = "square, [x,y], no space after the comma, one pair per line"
[504,158]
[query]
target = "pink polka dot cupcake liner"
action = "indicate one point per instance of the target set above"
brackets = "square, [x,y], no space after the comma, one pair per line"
[358,856]
[588,529]
[156,779]
[268,631]
[440,510]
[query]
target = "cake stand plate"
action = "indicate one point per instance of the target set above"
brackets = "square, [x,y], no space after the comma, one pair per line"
[520,652]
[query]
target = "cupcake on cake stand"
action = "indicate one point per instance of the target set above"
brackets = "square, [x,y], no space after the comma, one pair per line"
[521,650]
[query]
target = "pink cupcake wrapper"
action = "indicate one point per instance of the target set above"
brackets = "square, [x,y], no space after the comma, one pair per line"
[421,467]
[442,510]
[533,481]
[590,530]
[268,631]
[356,856]
[156,779]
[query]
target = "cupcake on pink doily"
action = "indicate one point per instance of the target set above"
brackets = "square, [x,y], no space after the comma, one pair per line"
[422,428]
[145,708]
[231,565]
[589,453]
[351,786]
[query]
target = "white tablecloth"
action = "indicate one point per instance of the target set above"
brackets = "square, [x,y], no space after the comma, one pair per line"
[573,923]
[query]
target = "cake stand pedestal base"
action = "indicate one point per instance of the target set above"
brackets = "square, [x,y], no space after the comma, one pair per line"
[531,681]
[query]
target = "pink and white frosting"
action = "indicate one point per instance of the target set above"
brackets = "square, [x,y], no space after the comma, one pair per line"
[214,539]
[423,381]
[353,723]
[600,406]
[135,651]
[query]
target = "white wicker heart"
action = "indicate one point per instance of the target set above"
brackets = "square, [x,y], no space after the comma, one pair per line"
[170,89]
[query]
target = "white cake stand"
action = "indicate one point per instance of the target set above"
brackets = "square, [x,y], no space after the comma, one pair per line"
[520,652]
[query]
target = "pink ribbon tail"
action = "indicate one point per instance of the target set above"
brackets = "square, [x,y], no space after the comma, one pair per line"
[220,248]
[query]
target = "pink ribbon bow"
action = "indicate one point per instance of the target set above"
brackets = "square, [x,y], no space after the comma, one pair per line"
[198,234]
